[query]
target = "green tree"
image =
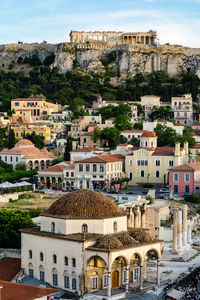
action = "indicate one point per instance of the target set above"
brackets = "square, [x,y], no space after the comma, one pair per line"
[138,126]
[56,161]
[111,136]
[20,166]
[166,135]
[10,223]
[96,134]
[11,139]
[77,106]
[68,148]
[122,122]
[162,112]
[37,140]
[135,142]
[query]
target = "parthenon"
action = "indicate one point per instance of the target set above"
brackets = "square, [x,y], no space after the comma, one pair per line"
[114,37]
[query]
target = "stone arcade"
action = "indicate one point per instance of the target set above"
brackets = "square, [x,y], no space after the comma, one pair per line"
[87,244]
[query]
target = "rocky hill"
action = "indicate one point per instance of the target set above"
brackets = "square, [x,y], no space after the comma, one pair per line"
[121,61]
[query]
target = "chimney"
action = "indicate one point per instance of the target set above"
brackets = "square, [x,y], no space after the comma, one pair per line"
[186,147]
[177,149]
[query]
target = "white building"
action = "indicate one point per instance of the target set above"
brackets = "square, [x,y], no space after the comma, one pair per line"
[84,245]
[85,152]
[25,151]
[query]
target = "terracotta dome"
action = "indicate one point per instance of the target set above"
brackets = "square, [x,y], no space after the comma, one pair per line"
[24,143]
[108,242]
[84,204]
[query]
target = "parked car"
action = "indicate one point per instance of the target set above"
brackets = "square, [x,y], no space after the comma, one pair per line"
[163,190]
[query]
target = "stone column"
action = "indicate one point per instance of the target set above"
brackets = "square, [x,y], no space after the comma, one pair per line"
[127,278]
[158,272]
[189,232]
[141,275]
[175,223]
[143,215]
[179,229]
[184,207]
[109,284]
[136,211]
[129,219]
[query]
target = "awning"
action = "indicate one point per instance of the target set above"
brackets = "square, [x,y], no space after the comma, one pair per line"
[175,294]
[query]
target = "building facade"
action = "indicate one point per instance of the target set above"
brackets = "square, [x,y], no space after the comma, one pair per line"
[86,243]
[185,179]
[182,109]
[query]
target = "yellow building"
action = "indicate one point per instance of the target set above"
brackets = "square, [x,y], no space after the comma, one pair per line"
[22,129]
[150,164]
[32,109]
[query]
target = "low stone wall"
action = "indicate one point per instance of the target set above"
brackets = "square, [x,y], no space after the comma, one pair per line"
[4,198]
[16,253]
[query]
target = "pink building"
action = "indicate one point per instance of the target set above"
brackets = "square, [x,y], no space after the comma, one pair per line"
[185,179]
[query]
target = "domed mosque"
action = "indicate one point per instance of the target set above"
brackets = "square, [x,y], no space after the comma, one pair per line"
[87,244]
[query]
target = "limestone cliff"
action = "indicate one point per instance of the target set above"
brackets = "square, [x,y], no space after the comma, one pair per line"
[123,60]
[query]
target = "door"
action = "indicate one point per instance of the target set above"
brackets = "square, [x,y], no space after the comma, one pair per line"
[115,279]
[197,190]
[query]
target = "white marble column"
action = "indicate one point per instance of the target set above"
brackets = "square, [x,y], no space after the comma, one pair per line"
[129,219]
[158,272]
[179,229]
[109,284]
[175,231]
[127,278]
[184,208]
[141,275]
[189,232]
[136,211]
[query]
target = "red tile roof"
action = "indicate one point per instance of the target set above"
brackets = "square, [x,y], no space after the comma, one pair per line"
[102,159]
[187,167]
[28,99]
[9,268]
[110,119]
[18,291]
[197,146]
[87,149]
[148,134]
[164,151]
[132,131]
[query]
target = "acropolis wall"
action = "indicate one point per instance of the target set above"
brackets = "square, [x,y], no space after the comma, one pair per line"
[111,38]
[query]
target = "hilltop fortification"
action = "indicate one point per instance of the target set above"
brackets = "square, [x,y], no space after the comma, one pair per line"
[123,54]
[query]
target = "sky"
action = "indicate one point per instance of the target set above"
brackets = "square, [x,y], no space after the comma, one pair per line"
[176,21]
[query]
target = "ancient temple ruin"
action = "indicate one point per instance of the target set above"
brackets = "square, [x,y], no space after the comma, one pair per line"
[112,38]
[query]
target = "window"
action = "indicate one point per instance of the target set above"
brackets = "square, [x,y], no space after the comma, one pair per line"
[80,168]
[53,227]
[130,162]
[175,189]
[115,226]
[5,158]
[95,262]
[124,275]
[73,262]
[94,168]
[157,174]
[142,162]
[136,274]
[54,259]
[105,280]
[66,260]
[42,276]
[187,177]
[171,163]
[131,175]
[11,158]
[30,272]
[55,279]
[41,256]
[16,103]
[74,284]
[187,189]
[66,281]
[84,228]
[87,167]
[67,174]
[175,177]
[30,254]
[157,162]
[101,168]
[84,140]
[151,144]
[142,173]
[94,283]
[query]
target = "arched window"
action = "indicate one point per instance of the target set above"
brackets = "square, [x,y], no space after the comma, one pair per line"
[115,226]
[53,227]
[41,256]
[84,228]
[131,175]
[73,262]
[66,260]
[30,254]
[54,259]
[74,284]
[157,174]
[142,173]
